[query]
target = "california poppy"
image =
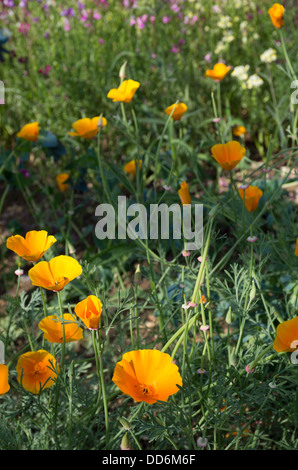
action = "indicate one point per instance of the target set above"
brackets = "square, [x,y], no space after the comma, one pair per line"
[53,328]
[33,246]
[124,92]
[55,274]
[252,195]
[4,385]
[29,132]
[61,181]
[147,375]
[184,193]
[286,339]
[218,72]
[131,167]
[228,155]
[239,131]
[179,111]
[296,249]
[87,128]
[37,370]
[89,311]
[276,13]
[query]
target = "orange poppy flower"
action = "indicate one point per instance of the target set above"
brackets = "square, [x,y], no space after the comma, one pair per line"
[252,196]
[124,92]
[147,375]
[61,181]
[228,155]
[53,329]
[276,13]
[239,131]
[36,370]
[296,249]
[33,247]
[286,339]
[29,132]
[180,110]
[184,193]
[55,274]
[87,128]
[4,385]
[131,167]
[218,72]
[89,311]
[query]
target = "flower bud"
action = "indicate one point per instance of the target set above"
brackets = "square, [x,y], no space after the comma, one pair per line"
[125,423]
[138,275]
[125,445]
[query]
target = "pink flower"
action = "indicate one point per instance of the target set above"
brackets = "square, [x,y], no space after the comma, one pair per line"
[207,57]
[201,371]
[67,26]
[251,239]
[101,41]
[192,304]
[248,369]
[24,28]
[185,253]
[19,272]
[166,19]
[202,442]
[204,327]
[200,259]
[175,49]
[217,119]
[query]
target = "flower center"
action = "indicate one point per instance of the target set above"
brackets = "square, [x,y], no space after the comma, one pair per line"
[147,390]
[39,368]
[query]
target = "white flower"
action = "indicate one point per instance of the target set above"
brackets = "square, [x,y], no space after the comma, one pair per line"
[268,56]
[225,22]
[228,36]
[254,81]
[240,72]
[219,48]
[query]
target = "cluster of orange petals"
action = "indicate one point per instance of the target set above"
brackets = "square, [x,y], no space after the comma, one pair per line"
[52,326]
[131,167]
[125,92]
[37,370]
[55,274]
[183,193]
[218,72]
[228,155]
[89,311]
[87,128]
[61,181]
[178,110]
[252,195]
[29,132]
[147,375]
[33,246]
[4,385]
[276,13]
[286,339]
[239,131]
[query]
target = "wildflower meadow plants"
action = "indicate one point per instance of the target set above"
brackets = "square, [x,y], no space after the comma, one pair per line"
[128,130]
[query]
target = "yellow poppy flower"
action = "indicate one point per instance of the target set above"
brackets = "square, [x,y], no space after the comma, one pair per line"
[29,132]
[286,339]
[36,370]
[61,181]
[55,274]
[33,247]
[180,110]
[124,92]
[131,167]
[87,128]
[276,13]
[252,196]
[184,193]
[147,375]
[228,155]
[53,329]
[296,249]
[4,385]
[239,131]
[89,311]
[218,72]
